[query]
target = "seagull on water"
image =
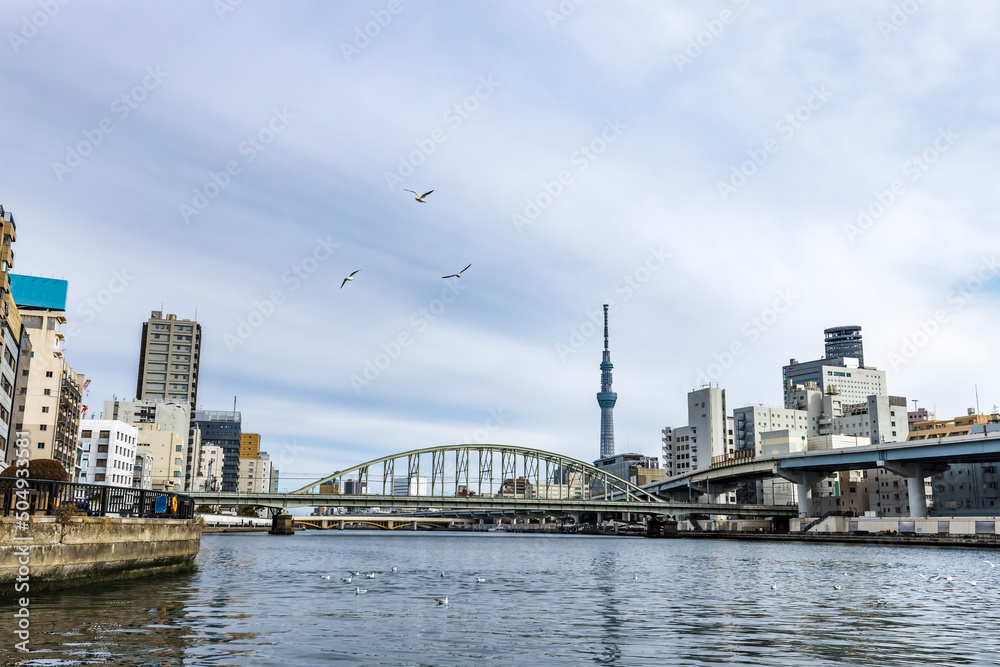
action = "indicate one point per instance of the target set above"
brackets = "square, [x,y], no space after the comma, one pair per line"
[836,588]
[442,574]
[973,582]
[346,580]
[393,570]
[774,587]
[457,275]
[350,277]
[356,574]
[324,576]
[360,591]
[420,197]
[989,563]
[922,575]
[370,576]
[635,577]
[948,578]
[480,580]
[443,600]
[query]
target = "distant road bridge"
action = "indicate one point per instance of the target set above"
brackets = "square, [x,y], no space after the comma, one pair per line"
[477,479]
[914,460]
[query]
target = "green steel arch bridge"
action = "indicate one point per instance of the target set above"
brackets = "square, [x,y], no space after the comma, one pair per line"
[481,478]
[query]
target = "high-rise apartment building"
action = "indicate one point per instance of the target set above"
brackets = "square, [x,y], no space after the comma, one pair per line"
[842,371]
[168,360]
[53,392]
[222,428]
[11,335]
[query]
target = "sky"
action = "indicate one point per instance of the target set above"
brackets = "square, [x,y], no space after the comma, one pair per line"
[731,176]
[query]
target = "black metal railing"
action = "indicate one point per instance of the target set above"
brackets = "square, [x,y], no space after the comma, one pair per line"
[44,497]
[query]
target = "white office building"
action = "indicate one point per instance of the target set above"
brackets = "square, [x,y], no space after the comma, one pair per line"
[255,474]
[708,434]
[108,452]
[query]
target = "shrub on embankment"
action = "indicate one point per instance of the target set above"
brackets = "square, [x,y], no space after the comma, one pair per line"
[40,469]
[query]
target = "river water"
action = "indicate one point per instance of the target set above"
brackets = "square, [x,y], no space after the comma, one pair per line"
[257,599]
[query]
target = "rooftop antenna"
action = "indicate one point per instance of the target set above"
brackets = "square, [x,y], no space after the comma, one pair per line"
[914,403]
[977,398]
[234,404]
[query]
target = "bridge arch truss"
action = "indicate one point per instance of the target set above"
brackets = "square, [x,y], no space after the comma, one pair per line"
[479,470]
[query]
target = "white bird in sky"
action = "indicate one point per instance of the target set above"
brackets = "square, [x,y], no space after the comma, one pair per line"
[350,277]
[360,591]
[441,600]
[989,563]
[370,576]
[457,275]
[420,197]
[346,579]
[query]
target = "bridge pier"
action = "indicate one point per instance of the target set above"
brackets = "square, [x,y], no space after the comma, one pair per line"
[413,525]
[914,474]
[340,525]
[803,487]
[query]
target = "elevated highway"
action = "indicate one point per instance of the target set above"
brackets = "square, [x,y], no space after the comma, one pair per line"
[914,460]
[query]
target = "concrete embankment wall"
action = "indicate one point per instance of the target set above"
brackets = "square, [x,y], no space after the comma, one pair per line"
[81,550]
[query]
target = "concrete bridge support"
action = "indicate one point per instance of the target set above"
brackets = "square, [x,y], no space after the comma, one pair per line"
[803,488]
[914,474]
[413,525]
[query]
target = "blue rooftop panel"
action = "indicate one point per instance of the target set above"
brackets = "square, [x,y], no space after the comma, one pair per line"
[35,292]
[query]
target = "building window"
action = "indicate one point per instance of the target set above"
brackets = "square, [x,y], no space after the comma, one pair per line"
[48,374]
[43,427]
[86,434]
[45,408]
[47,392]
[41,445]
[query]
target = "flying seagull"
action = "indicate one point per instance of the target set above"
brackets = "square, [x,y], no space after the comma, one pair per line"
[457,275]
[441,600]
[420,197]
[989,563]
[350,277]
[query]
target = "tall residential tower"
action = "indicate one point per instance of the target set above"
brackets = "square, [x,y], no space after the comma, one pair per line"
[607,398]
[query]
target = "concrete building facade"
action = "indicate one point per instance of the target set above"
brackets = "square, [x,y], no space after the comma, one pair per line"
[255,474]
[142,474]
[11,335]
[52,393]
[173,417]
[108,452]
[210,465]
[709,433]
